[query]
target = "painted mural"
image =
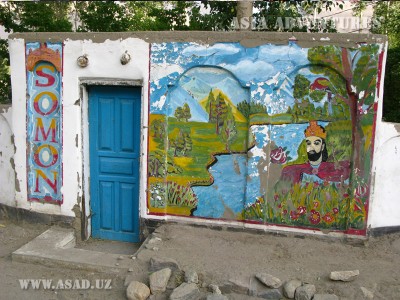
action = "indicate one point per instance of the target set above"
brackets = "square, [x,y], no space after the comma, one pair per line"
[44,122]
[276,134]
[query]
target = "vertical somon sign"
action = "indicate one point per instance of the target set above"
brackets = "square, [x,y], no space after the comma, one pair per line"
[44,122]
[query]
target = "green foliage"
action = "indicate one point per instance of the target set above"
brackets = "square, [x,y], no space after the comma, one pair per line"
[178,114]
[159,165]
[172,194]
[275,15]
[244,108]
[248,108]
[391,96]
[181,144]
[5,80]
[183,113]
[103,16]
[38,16]
[301,86]
[186,112]
[158,128]
[387,21]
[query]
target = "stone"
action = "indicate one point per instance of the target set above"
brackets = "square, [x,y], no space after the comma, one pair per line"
[130,270]
[344,275]
[239,285]
[176,279]
[367,293]
[325,297]
[216,297]
[120,257]
[305,292]
[186,291]
[191,276]
[269,280]
[159,280]
[289,288]
[158,297]
[158,263]
[214,289]
[154,240]
[256,287]
[137,291]
[271,294]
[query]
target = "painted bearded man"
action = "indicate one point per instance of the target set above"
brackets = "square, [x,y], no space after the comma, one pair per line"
[317,169]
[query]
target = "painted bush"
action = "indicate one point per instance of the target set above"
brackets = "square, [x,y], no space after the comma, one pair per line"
[275,134]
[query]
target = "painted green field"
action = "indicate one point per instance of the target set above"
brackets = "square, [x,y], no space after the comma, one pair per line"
[206,143]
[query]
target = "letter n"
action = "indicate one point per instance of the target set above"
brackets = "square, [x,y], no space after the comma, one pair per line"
[53,184]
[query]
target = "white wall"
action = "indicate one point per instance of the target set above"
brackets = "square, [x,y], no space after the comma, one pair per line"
[7,174]
[104,62]
[385,204]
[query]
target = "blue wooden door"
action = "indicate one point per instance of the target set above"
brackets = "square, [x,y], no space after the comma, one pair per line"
[114,135]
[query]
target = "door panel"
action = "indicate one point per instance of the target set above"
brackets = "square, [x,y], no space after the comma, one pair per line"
[114,129]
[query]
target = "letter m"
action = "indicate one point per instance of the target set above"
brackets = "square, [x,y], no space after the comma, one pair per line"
[45,134]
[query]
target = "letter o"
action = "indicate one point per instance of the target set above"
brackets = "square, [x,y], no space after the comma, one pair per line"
[54,154]
[36,105]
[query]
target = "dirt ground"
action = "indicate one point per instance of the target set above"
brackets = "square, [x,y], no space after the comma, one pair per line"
[220,255]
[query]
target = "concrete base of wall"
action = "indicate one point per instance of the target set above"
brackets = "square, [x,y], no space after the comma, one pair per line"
[20,214]
[383,230]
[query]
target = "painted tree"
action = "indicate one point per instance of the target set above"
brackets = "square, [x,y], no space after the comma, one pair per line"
[179,113]
[186,112]
[188,145]
[159,165]
[158,128]
[177,144]
[221,110]
[210,107]
[244,108]
[352,76]
[228,130]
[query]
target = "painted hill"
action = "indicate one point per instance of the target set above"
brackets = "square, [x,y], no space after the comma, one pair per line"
[236,113]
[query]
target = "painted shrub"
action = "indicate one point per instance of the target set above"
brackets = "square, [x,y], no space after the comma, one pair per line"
[44,122]
[275,134]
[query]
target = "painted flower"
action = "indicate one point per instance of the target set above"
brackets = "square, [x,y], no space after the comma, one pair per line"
[301,210]
[294,215]
[328,218]
[285,211]
[278,156]
[276,197]
[316,204]
[280,205]
[335,210]
[315,217]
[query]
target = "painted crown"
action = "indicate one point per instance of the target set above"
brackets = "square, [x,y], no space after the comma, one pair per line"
[315,130]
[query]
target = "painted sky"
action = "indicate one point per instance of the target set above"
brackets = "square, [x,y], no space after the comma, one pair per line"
[261,69]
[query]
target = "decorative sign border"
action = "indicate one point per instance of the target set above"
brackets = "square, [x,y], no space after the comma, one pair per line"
[44,122]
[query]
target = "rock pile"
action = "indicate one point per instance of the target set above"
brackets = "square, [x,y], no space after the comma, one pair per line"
[168,281]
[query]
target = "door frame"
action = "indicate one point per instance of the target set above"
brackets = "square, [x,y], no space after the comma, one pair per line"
[84,83]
